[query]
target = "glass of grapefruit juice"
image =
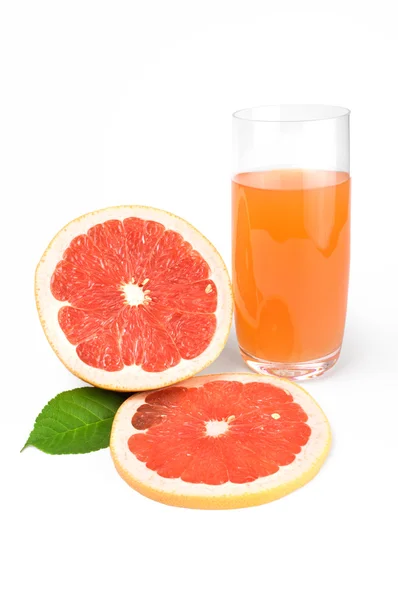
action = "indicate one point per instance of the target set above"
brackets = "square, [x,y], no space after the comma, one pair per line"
[291,236]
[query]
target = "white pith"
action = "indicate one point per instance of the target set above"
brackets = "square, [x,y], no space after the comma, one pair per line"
[123,429]
[133,294]
[130,378]
[216,428]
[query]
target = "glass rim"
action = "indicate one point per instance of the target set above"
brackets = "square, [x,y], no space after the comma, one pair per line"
[310,112]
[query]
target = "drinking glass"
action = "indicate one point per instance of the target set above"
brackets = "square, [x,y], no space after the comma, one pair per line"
[291,236]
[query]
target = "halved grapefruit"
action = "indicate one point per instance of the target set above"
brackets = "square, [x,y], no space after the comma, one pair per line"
[133,298]
[220,441]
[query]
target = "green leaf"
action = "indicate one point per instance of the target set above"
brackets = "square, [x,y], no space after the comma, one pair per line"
[76,421]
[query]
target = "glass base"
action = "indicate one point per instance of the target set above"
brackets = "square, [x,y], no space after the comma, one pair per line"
[299,371]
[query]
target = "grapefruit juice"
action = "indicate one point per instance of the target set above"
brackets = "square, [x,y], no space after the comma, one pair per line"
[291,246]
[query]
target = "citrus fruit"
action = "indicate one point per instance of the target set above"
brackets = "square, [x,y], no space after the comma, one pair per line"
[133,298]
[220,441]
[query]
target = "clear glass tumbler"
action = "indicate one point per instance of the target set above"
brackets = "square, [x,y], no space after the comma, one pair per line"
[291,236]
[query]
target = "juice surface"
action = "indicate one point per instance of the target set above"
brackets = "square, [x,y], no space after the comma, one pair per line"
[291,248]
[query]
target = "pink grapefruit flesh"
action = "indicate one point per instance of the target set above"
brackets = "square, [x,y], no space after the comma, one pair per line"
[220,441]
[133,298]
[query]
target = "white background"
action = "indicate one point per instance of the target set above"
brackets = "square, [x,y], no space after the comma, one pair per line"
[114,102]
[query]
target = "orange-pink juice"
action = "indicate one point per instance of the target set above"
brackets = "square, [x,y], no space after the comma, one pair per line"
[291,249]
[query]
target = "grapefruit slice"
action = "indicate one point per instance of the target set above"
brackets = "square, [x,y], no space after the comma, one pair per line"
[220,441]
[133,298]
